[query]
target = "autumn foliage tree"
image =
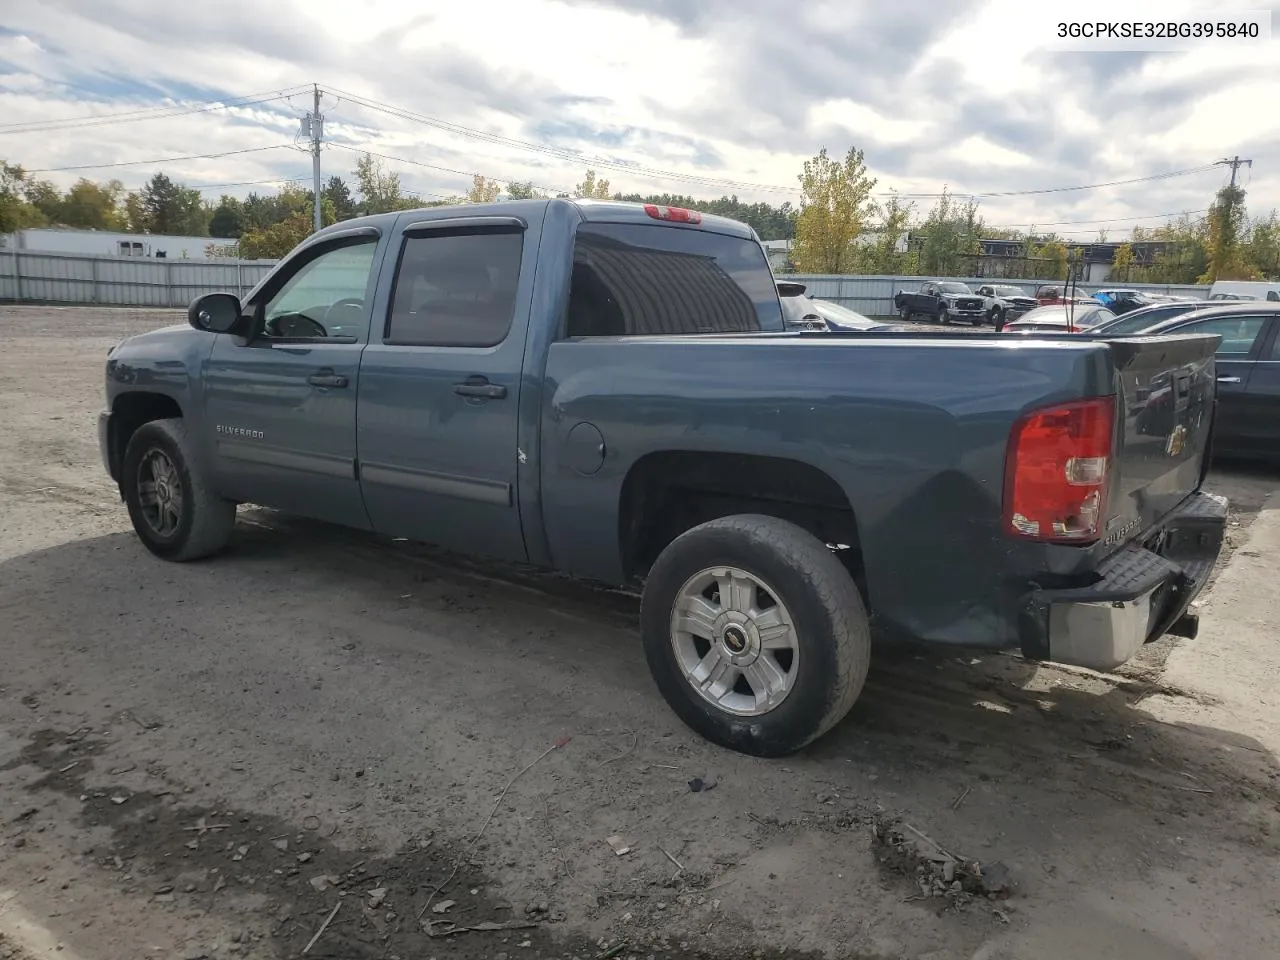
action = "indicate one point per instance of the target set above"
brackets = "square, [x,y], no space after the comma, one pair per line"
[592,189]
[835,206]
[483,190]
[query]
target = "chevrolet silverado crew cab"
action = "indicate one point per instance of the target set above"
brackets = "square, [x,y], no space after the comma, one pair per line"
[608,390]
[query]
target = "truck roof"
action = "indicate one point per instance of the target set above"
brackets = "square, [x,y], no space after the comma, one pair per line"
[602,211]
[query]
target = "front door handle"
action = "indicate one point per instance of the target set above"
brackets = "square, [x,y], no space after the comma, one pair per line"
[480,387]
[1229,380]
[327,378]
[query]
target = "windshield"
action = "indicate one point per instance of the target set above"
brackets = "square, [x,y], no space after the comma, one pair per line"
[1009,292]
[1142,319]
[951,287]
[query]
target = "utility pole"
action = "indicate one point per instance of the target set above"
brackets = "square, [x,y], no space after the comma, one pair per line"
[1235,163]
[314,125]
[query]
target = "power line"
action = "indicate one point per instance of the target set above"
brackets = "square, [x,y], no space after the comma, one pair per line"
[132,116]
[565,154]
[135,163]
[247,183]
[1145,216]
[433,166]
[557,152]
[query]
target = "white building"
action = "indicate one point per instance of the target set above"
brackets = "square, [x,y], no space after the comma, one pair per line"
[104,243]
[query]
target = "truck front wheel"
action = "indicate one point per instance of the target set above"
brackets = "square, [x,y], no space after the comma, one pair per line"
[174,508]
[755,634]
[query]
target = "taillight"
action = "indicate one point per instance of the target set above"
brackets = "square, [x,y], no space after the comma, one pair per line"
[1056,472]
[674,214]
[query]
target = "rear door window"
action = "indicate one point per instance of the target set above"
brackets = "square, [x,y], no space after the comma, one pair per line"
[1238,334]
[642,279]
[456,289]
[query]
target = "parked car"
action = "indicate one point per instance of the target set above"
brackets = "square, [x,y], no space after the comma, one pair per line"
[803,312]
[1049,294]
[1268,290]
[1247,421]
[1231,296]
[608,390]
[1003,302]
[941,301]
[1138,320]
[1121,302]
[1061,318]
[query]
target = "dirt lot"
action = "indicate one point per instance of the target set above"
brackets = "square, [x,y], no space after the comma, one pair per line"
[209,760]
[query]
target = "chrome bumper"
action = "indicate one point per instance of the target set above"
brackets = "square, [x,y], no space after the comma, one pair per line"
[1144,590]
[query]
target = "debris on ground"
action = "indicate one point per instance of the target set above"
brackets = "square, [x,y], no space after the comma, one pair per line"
[445,928]
[698,785]
[619,845]
[937,871]
[443,906]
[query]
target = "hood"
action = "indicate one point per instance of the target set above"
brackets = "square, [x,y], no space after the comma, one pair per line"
[164,342]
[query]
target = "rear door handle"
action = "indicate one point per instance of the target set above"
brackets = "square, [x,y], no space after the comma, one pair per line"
[327,378]
[1229,380]
[480,387]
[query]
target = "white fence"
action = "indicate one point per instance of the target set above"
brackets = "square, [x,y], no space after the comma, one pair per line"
[43,277]
[873,296]
[46,277]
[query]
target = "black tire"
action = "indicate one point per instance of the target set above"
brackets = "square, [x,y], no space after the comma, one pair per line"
[944,317]
[204,519]
[905,312]
[997,317]
[826,609]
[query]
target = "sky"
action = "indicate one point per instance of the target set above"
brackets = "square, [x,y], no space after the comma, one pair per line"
[703,97]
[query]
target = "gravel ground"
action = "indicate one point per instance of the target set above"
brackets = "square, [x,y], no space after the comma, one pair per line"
[207,760]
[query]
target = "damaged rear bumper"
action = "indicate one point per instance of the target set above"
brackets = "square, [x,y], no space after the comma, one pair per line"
[1142,593]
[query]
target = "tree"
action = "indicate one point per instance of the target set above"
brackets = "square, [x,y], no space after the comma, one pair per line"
[93,206]
[1225,248]
[1264,245]
[482,190]
[835,204]
[882,255]
[227,220]
[380,191]
[1122,262]
[46,198]
[15,212]
[950,237]
[517,190]
[338,194]
[276,240]
[592,189]
[169,208]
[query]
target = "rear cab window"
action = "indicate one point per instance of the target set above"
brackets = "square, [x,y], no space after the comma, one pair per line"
[636,279]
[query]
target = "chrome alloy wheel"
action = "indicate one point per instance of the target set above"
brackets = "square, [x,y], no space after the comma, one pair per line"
[160,492]
[735,641]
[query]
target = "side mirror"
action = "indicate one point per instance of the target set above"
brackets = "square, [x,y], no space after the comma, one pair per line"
[215,312]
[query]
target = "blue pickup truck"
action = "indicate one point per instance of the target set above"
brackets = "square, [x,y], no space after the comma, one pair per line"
[609,390]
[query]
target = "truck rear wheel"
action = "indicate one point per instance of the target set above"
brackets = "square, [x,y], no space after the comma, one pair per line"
[174,509]
[755,634]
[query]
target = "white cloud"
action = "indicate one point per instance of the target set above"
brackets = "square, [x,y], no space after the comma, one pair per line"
[964,93]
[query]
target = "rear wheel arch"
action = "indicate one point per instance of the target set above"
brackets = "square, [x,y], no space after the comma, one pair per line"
[669,492]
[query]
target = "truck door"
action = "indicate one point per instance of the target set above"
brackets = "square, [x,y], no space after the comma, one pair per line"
[440,385]
[281,404]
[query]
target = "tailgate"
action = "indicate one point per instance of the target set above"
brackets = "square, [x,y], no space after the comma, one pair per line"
[1166,397]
